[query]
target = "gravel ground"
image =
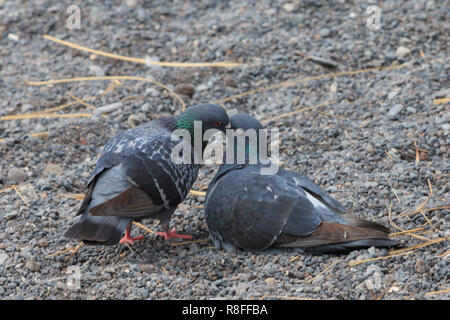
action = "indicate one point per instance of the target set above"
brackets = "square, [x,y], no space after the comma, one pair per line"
[359,148]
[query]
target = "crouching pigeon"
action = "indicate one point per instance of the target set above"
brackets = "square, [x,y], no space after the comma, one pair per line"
[136,178]
[245,209]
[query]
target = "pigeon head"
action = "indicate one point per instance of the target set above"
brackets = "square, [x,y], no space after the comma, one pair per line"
[210,115]
[245,122]
[251,128]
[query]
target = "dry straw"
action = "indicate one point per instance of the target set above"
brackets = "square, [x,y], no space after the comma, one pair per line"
[438,292]
[420,245]
[326,269]
[298,111]
[399,252]
[77,196]
[441,101]
[291,83]
[72,250]
[8,189]
[78,79]
[197,193]
[401,229]
[222,64]
[46,115]
[137,224]
[187,242]
[81,101]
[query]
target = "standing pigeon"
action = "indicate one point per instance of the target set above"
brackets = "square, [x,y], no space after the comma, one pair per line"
[248,210]
[135,177]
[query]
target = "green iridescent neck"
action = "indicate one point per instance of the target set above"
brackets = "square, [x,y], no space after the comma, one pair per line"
[186,121]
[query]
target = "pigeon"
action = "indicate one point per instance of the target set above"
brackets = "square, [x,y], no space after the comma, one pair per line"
[137,178]
[251,211]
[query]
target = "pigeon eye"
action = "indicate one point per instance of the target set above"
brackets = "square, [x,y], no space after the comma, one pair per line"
[217,123]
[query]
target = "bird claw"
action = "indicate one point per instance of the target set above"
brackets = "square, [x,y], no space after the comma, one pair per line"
[129,240]
[171,234]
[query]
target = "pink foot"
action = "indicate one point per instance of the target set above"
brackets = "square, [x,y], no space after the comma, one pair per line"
[171,234]
[131,240]
[127,237]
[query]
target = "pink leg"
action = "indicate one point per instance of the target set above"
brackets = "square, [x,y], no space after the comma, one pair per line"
[127,237]
[171,234]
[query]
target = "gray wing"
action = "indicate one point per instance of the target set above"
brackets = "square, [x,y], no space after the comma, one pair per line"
[156,183]
[328,208]
[126,143]
[249,210]
[313,189]
[336,232]
[116,149]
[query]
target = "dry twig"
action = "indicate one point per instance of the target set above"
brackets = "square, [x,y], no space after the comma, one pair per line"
[223,64]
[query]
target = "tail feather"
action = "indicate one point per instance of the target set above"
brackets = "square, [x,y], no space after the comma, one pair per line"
[98,230]
[345,247]
[357,222]
[332,237]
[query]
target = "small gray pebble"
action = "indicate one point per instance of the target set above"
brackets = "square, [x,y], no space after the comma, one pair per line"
[395,110]
[17,175]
